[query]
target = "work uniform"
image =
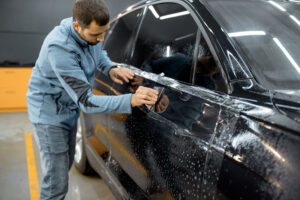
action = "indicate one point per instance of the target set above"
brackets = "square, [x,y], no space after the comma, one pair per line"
[60,86]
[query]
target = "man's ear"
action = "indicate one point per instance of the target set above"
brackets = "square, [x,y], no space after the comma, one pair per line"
[76,25]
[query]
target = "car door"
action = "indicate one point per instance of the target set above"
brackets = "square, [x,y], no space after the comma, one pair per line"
[117,43]
[170,150]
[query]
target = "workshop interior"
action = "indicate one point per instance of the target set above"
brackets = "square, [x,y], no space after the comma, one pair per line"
[150,99]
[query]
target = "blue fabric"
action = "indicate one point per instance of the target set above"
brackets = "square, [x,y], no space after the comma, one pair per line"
[57,149]
[61,81]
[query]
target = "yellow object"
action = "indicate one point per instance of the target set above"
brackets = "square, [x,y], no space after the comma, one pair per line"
[13,88]
[97,145]
[32,175]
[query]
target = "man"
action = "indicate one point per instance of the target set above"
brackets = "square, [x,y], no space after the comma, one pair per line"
[60,86]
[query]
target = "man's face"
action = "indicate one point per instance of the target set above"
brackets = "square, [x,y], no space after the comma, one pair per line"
[93,34]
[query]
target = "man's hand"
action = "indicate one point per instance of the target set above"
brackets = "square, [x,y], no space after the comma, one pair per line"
[135,83]
[124,73]
[144,95]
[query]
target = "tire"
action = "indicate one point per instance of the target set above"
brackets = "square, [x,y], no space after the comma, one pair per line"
[80,158]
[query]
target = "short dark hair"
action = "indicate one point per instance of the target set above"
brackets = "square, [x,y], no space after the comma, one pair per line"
[85,11]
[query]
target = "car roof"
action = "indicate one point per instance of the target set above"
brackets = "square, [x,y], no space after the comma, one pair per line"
[260,12]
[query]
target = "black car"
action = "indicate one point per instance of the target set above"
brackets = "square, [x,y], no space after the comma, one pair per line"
[227,123]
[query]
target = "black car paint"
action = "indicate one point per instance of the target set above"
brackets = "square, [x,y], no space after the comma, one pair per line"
[244,144]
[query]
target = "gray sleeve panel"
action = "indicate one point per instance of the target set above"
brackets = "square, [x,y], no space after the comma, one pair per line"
[81,89]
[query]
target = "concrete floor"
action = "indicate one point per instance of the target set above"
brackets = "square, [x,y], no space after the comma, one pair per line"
[14,183]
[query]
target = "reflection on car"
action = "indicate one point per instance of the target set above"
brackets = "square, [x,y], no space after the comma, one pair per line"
[227,122]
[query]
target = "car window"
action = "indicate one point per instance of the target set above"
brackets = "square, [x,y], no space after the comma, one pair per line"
[206,73]
[165,42]
[118,38]
[267,36]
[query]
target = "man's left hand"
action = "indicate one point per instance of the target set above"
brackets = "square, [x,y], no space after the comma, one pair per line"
[116,73]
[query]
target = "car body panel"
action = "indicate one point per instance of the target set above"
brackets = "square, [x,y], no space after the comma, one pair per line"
[239,143]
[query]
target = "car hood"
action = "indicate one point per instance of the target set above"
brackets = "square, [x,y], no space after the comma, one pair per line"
[287,102]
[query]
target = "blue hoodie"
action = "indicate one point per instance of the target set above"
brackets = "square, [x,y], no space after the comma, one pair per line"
[61,81]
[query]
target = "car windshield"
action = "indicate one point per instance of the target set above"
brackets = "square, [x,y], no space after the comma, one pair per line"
[267,34]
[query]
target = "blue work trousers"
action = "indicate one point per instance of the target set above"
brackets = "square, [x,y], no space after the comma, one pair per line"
[57,149]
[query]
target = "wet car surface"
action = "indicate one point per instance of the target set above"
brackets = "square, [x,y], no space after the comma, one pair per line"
[227,122]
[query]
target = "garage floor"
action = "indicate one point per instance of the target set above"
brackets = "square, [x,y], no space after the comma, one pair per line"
[17,167]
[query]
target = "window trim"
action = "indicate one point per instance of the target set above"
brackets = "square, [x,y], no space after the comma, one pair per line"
[195,57]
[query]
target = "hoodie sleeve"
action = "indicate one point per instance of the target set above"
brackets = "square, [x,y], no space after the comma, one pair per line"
[105,64]
[72,78]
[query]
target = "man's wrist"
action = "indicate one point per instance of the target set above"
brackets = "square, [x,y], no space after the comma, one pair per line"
[132,102]
[110,71]
[112,67]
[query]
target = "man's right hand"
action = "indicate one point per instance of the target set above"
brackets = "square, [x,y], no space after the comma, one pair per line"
[144,95]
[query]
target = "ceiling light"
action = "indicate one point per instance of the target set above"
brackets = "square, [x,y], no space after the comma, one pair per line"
[295,19]
[277,5]
[246,33]
[174,15]
[286,53]
[156,15]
